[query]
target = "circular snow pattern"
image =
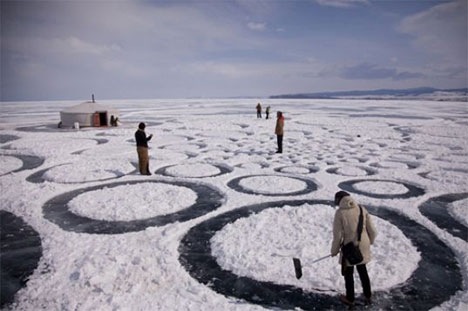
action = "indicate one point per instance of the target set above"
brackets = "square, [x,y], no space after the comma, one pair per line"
[264,252]
[391,164]
[8,164]
[166,156]
[88,170]
[272,184]
[447,177]
[182,147]
[406,157]
[295,170]
[351,171]
[130,202]
[193,170]
[381,187]
[459,209]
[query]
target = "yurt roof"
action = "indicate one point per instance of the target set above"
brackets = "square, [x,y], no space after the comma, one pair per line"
[87,107]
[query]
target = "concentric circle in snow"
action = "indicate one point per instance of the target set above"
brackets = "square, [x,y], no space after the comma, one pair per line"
[267,242]
[182,147]
[421,287]
[297,169]
[168,156]
[381,187]
[351,170]
[390,164]
[9,163]
[445,176]
[89,170]
[130,202]
[193,170]
[174,203]
[272,184]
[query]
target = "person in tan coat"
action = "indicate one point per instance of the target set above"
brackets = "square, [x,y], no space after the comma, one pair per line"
[345,225]
[279,131]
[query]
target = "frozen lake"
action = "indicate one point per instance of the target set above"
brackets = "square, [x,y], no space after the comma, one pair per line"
[217,224]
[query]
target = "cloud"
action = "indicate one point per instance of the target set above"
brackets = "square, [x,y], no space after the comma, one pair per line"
[366,71]
[342,3]
[440,30]
[256,26]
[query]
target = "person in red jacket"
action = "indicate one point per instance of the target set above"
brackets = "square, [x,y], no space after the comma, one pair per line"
[279,131]
[142,149]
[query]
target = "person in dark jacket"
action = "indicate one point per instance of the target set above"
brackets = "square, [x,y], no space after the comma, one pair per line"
[345,225]
[259,111]
[142,149]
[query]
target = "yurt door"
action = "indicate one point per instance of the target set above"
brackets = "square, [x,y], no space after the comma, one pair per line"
[100,119]
[103,118]
[96,119]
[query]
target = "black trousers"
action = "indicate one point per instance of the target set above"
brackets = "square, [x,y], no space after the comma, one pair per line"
[279,139]
[349,281]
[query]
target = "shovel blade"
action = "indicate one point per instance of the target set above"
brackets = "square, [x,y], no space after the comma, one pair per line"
[297,267]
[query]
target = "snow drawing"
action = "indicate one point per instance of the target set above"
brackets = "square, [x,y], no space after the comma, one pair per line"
[217,224]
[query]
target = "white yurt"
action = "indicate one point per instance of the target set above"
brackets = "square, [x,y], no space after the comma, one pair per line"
[86,114]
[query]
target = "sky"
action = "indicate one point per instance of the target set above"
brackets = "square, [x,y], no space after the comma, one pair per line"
[68,50]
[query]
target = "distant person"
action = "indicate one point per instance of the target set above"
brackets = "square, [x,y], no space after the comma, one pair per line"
[142,149]
[267,112]
[259,111]
[279,130]
[345,230]
[114,120]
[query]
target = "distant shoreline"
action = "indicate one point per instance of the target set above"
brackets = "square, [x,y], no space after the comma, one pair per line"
[424,93]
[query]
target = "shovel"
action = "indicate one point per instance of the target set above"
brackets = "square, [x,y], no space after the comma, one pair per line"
[298,265]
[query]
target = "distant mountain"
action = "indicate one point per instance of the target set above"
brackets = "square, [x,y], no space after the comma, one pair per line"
[427,93]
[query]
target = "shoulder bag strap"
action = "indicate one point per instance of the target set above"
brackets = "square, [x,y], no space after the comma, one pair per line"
[360,224]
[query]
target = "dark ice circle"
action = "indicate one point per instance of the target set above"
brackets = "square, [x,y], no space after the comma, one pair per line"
[21,250]
[56,210]
[29,162]
[311,169]
[413,191]
[336,170]
[436,209]
[310,186]
[222,170]
[435,280]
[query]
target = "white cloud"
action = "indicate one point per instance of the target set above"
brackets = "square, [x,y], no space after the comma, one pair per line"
[440,30]
[341,3]
[256,26]
[77,45]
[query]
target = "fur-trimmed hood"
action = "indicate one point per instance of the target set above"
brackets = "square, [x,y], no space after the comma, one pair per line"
[348,202]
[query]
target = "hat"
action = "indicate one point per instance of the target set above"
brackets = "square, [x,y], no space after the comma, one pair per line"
[339,195]
[141,126]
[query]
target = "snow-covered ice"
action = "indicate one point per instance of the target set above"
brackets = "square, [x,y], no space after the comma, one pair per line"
[377,146]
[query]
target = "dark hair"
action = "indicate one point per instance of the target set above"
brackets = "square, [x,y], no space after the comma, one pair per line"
[339,195]
[141,126]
